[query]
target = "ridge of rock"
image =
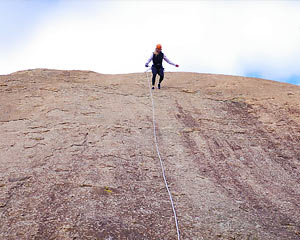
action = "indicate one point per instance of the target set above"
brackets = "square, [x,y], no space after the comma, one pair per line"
[77,158]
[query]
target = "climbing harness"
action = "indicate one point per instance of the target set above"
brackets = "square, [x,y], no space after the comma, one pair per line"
[158,153]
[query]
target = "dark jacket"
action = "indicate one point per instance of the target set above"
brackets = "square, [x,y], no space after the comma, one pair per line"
[158,59]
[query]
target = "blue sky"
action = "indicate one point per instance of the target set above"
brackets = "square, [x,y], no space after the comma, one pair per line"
[19,18]
[248,38]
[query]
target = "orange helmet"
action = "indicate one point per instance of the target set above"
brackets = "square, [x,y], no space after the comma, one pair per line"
[158,46]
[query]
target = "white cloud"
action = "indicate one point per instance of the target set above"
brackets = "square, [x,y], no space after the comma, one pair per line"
[229,37]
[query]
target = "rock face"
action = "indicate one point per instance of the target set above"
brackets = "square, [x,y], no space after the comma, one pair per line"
[78,161]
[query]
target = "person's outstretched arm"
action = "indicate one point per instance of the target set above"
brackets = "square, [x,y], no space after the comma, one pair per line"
[168,61]
[149,60]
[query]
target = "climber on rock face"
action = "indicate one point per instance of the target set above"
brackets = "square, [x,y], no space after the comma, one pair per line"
[157,57]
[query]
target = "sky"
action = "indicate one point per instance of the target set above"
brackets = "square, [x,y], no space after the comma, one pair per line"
[246,38]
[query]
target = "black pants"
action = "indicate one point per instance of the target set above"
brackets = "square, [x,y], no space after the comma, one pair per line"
[159,71]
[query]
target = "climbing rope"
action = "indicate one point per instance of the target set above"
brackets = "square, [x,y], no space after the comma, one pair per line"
[161,162]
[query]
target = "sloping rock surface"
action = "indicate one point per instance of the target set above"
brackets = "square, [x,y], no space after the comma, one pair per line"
[77,157]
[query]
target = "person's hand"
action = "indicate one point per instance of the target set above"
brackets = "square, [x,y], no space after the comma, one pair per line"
[176,65]
[146,65]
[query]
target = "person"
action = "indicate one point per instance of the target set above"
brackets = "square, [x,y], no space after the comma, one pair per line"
[157,68]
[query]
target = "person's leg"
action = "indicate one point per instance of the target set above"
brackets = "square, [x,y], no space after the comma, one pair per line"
[161,75]
[154,73]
